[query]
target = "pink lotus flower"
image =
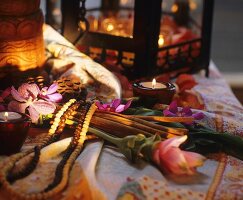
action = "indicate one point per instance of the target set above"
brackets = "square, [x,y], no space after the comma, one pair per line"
[173,111]
[171,159]
[26,99]
[50,93]
[114,106]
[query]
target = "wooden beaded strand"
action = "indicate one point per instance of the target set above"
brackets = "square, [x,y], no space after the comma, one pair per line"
[69,150]
[34,161]
[66,170]
[15,158]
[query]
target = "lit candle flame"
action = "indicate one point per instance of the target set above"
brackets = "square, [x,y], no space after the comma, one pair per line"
[6,116]
[161,40]
[174,8]
[193,5]
[110,27]
[153,83]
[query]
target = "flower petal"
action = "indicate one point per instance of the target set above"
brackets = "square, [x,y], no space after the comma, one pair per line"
[128,104]
[16,95]
[172,142]
[106,106]
[198,116]
[17,106]
[167,113]
[52,89]
[115,103]
[186,112]
[45,88]
[99,105]
[44,107]
[155,156]
[34,115]
[120,108]
[193,159]
[56,97]
[26,90]
[173,107]
[174,161]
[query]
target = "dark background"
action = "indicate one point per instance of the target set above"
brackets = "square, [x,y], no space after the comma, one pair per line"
[227,42]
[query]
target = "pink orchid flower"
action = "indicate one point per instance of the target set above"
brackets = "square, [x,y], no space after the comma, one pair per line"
[50,93]
[171,159]
[114,106]
[26,98]
[173,111]
[4,95]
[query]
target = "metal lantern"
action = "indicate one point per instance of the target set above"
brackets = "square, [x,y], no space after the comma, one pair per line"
[142,38]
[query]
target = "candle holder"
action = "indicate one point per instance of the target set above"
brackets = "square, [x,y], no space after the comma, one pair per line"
[162,93]
[14,127]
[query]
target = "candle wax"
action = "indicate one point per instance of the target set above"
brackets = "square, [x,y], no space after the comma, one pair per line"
[11,116]
[149,85]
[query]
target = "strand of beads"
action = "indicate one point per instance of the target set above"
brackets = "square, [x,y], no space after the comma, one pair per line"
[66,169]
[59,170]
[78,148]
[4,173]
[70,107]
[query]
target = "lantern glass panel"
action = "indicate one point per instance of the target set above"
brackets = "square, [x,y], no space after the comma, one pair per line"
[179,39]
[178,17]
[114,17]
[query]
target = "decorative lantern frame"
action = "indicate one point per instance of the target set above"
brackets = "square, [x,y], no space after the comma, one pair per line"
[139,54]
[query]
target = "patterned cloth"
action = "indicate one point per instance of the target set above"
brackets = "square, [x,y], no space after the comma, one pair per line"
[66,61]
[101,172]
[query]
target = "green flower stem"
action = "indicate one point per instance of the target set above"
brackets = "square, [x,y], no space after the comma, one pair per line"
[131,146]
[105,136]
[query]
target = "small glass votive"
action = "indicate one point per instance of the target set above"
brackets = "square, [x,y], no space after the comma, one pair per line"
[14,127]
[150,94]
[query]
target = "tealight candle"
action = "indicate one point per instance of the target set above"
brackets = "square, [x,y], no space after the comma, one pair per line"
[153,84]
[9,116]
[14,127]
[154,92]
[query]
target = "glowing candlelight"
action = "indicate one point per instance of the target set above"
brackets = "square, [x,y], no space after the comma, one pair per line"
[161,40]
[193,5]
[151,92]
[6,116]
[9,116]
[153,83]
[174,8]
[109,27]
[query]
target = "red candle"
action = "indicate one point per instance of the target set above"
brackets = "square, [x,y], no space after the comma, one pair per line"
[13,131]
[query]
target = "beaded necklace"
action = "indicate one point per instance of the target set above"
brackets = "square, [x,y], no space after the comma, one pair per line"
[64,167]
